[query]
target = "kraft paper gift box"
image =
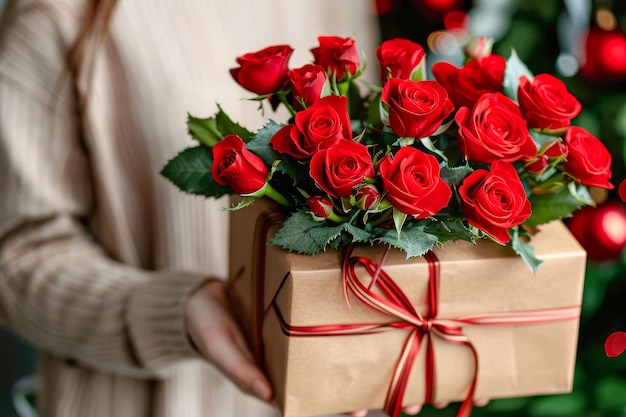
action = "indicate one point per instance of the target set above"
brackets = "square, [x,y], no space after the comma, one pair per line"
[320,374]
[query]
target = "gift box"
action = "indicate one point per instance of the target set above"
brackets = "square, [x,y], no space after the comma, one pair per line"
[468,320]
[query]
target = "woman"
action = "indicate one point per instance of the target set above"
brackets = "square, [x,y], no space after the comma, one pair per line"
[104,266]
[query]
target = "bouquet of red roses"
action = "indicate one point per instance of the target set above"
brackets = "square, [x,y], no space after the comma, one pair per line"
[485,150]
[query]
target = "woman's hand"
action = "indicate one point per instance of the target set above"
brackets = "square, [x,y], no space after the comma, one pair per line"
[216,334]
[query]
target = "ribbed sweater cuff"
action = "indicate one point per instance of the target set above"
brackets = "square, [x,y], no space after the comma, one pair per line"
[156,318]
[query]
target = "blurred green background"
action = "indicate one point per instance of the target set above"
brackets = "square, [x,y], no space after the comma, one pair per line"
[583,43]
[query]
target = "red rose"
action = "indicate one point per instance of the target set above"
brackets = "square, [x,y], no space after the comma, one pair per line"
[237,167]
[416,108]
[338,54]
[494,201]
[494,130]
[588,161]
[412,183]
[318,127]
[265,71]
[466,85]
[398,58]
[341,168]
[546,103]
[307,84]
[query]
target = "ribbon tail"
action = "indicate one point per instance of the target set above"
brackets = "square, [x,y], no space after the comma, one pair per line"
[402,370]
[468,404]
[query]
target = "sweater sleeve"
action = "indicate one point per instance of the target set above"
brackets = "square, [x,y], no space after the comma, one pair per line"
[58,287]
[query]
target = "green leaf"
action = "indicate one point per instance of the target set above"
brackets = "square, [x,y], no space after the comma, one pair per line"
[453,176]
[540,138]
[398,220]
[526,251]
[228,127]
[581,194]
[449,230]
[550,207]
[293,234]
[190,171]
[324,234]
[204,131]
[428,144]
[412,240]
[261,147]
[515,68]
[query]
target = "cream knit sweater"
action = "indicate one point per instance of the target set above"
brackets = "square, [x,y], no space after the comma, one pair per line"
[97,251]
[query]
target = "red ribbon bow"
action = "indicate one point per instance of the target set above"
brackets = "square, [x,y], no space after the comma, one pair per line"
[393,302]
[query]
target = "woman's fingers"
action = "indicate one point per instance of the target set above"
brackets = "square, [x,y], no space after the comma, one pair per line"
[412,409]
[481,402]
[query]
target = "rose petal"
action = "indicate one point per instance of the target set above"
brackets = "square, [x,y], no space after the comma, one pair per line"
[622,191]
[615,344]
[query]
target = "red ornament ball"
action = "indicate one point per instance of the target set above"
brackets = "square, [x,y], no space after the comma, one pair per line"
[601,230]
[605,56]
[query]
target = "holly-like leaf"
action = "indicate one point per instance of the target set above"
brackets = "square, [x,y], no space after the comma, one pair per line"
[190,171]
[294,235]
[554,206]
[324,234]
[412,240]
[453,176]
[228,127]
[525,250]
[514,69]
[449,230]
[260,146]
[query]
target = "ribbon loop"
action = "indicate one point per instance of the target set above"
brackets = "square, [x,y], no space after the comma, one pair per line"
[421,329]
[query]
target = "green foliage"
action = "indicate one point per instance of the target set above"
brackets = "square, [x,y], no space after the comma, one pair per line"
[515,68]
[449,230]
[558,205]
[260,145]
[302,234]
[413,240]
[453,176]
[211,130]
[525,250]
[190,171]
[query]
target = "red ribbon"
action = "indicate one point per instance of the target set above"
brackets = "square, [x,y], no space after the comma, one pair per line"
[393,302]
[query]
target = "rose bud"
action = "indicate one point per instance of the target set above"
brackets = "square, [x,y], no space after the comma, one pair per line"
[536,166]
[412,182]
[341,168]
[416,108]
[236,167]
[265,71]
[554,149]
[320,206]
[319,127]
[588,161]
[367,197]
[546,103]
[467,84]
[399,58]
[307,85]
[494,130]
[494,201]
[337,54]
